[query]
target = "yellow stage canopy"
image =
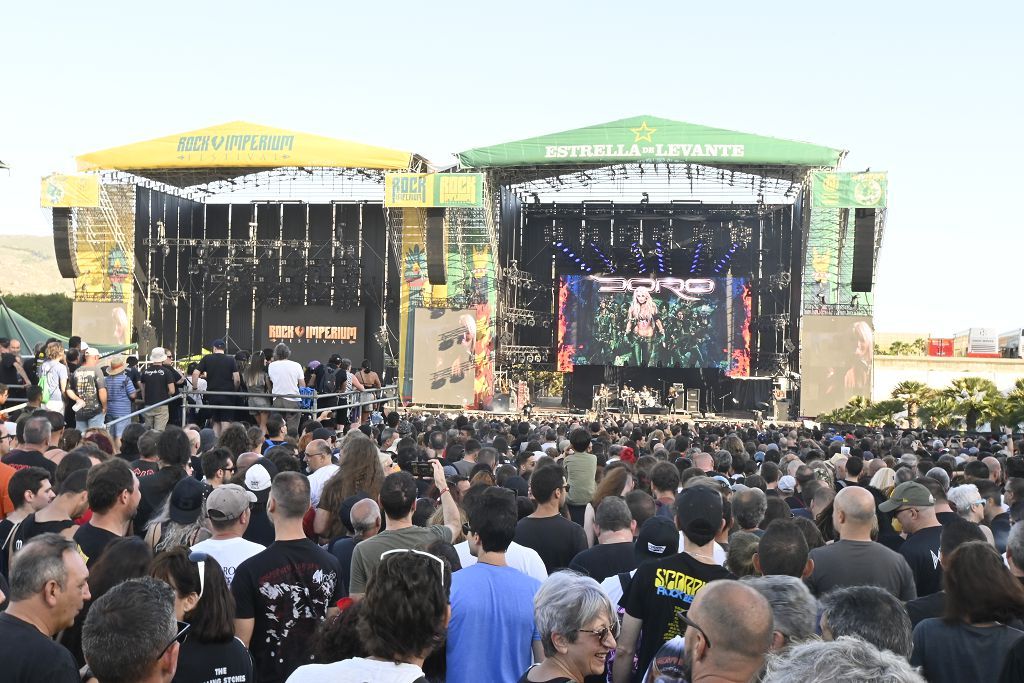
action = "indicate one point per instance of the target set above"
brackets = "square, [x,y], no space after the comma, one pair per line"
[240,147]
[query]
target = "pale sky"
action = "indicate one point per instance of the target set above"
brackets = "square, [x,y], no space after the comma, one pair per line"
[930,92]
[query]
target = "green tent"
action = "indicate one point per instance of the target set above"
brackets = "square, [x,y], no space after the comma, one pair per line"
[13,325]
[649,138]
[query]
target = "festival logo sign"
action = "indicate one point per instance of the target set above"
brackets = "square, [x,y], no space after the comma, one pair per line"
[848,190]
[643,146]
[313,333]
[433,189]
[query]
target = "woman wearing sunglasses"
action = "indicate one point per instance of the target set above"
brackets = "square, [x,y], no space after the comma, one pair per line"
[402,619]
[577,625]
[201,598]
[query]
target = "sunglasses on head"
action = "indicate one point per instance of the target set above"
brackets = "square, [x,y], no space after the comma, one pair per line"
[435,558]
[179,637]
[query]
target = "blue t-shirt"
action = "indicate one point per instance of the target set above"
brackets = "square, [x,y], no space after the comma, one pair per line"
[119,403]
[492,628]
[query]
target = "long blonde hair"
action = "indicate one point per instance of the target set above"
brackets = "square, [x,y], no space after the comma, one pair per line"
[645,311]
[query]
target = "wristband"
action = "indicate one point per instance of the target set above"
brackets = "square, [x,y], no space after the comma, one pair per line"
[443,491]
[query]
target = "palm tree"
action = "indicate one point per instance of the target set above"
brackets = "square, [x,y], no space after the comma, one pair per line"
[912,394]
[940,412]
[977,399]
[884,412]
[1014,405]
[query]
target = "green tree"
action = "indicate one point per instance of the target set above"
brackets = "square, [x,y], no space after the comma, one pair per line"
[52,311]
[883,412]
[912,394]
[977,399]
[940,412]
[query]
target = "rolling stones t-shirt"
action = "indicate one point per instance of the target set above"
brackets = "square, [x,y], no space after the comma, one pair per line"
[286,590]
[660,592]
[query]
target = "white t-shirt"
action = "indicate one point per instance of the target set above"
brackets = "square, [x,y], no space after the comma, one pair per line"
[229,552]
[356,670]
[285,376]
[317,480]
[517,556]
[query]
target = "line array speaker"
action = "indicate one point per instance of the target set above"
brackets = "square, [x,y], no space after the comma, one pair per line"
[63,242]
[863,250]
[435,247]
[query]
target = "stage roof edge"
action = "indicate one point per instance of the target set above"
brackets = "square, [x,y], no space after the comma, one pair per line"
[649,138]
[240,147]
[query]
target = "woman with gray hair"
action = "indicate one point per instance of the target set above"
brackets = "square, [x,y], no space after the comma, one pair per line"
[844,659]
[577,625]
[967,502]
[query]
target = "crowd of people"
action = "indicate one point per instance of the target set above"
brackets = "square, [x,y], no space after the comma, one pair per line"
[442,547]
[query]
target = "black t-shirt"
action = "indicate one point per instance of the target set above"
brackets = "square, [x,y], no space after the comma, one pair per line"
[286,590]
[260,529]
[220,369]
[154,490]
[658,593]
[210,662]
[143,468]
[603,561]
[92,541]
[30,528]
[155,379]
[20,459]
[6,538]
[525,678]
[945,517]
[343,549]
[921,551]
[8,370]
[28,656]
[929,607]
[556,539]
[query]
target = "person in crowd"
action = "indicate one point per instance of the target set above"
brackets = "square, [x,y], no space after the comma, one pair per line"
[31,491]
[726,634]
[113,493]
[174,452]
[221,373]
[179,521]
[48,587]
[12,367]
[844,659]
[614,554]
[88,392]
[856,560]
[997,518]
[517,556]
[794,609]
[783,551]
[318,458]
[131,635]
[202,599]
[971,640]
[912,508]
[491,602]
[653,613]
[664,487]
[282,593]
[398,500]
[364,517]
[968,503]
[401,621]
[218,466]
[577,625]
[120,395]
[359,471]
[556,539]
[256,381]
[954,534]
[148,461]
[370,381]
[739,558]
[33,443]
[233,436]
[616,481]
[656,540]
[227,508]
[285,379]
[580,465]
[70,503]
[869,613]
[53,374]
[158,384]
[748,509]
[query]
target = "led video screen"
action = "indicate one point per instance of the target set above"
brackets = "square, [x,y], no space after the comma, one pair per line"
[654,322]
[836,359]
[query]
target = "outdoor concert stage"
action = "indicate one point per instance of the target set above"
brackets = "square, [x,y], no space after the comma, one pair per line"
[620,262]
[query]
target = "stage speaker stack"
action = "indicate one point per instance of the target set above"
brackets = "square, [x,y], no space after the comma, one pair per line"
[680,404]
[863,250]
[693,400]
[435,247]
[64,242]
[782,410]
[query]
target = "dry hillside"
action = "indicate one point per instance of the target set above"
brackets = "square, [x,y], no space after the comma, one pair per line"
[28,266]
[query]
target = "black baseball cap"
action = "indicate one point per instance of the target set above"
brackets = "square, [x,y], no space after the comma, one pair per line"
[658,538]
[699,513]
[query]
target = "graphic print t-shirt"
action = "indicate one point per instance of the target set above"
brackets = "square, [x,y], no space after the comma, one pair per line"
[87,383]
[286,590]
[661,591]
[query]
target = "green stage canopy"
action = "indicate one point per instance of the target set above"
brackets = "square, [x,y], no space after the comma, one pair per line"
[14,325]
[648,138]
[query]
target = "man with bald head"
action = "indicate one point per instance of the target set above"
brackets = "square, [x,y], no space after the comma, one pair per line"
[321,467]
[704,461]
[995,469]
[856,560]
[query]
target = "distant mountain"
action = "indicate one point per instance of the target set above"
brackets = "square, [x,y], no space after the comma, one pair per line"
[28,265]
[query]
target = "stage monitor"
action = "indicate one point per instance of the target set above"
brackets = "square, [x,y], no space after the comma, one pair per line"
[314,332]
[654,322]
[835,361]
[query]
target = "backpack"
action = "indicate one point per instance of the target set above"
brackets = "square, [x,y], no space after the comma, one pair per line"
[44,386]
[328,381]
